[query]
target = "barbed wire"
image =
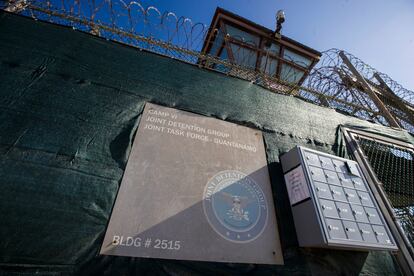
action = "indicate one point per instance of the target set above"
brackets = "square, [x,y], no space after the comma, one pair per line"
[330,83]
[334,78]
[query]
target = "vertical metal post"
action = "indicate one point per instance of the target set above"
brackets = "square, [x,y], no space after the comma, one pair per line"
[380,105]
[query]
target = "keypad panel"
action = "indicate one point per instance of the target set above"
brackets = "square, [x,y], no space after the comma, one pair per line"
[345,202]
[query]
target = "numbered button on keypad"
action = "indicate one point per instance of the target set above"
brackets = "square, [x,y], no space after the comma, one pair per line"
[352,231]
[345,180]
[359,213]
[323,190]
[367,233]
[365,199]
[332,177]
[329,208]
[326,163]
[381,234]
[312,159]
[344,210]
[337,193]
[335,229]
[317,174]
[373,215]
[358,183]
[352,196]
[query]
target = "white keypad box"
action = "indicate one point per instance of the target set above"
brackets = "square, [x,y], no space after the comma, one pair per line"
[332,203]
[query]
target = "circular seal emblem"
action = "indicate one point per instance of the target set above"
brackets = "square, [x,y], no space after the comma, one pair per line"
[235,206]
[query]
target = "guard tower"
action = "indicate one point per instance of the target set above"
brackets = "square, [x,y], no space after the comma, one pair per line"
[250,45]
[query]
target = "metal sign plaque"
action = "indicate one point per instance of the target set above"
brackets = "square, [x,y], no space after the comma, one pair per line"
[296,185]
[195,188]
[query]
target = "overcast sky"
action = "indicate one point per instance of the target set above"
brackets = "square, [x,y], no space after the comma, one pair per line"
[380,32]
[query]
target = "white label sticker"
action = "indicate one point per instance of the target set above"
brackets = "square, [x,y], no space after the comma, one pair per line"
[296,185]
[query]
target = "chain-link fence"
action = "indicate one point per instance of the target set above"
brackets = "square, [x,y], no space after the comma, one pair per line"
[394,168]
[330,83]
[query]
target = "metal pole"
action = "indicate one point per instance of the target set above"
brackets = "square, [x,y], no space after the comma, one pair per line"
[380,105]
[406,109]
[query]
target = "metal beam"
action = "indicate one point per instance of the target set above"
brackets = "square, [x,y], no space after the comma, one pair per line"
[397,100]
[380,105]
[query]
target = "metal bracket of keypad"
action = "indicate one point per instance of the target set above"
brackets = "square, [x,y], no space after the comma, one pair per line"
[332,204]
